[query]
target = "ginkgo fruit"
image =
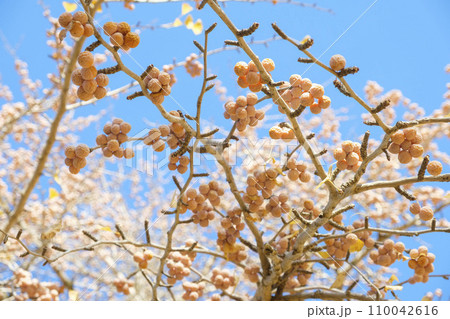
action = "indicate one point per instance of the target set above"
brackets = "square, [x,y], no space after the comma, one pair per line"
[337,62]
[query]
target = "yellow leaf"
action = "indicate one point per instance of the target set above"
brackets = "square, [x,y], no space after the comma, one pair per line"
[330,172]
[52,193]
[99,9]
[280,171]
[177,23]
[73,295]
[391,280]
[198,27]
[386,288]
[422,254]
[251,218]
[51,232]
[237,279]
[69,7]
[295,233]
[306,38]
[228,248]
[48,235]
[427,298]
[189,22]
[173,202]
[339,282]
[324,254]
[57,179]
[356,246]
[253,197]
[105,228]
[186,8]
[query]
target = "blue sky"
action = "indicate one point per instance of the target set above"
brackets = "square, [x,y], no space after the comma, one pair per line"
[400,44]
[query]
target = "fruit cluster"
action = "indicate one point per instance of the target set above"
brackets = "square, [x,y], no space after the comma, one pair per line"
[31,288]
[309,210]
[179,163]
[232,225]
[251,272]
[406,143]
[262,181]
[77,24]
[174,134]
[177,132]
[251,196]
[302,92]
[153,138]
[193,200]
[248,75]
[193,66]
[277,205]
[285,133]
[348,156]
[142,258]
[120,35]
[303,277]
[434,168]
[202,213]
[212,191]
[425,213]
[76,157]
[282,244]
[222,279]
[190,244]
[167,68]
[364,235]
[89,83]
[192,291]
[178,265]
[123,285]
[115,135]
[300,278]
[235,252]
[297,170]
[387,253]
[159,83]
[338,247]
[243,111]
[422,263]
